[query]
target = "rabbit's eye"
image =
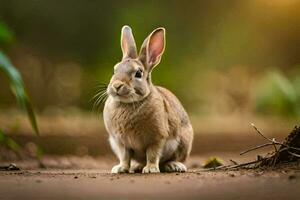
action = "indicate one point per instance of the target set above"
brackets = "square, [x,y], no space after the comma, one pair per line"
[138,74]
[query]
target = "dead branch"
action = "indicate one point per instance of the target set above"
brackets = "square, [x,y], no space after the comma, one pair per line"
[260,133]
[226,167]
[234,162]
[256,147]
[271,159]
[272,142]
[294,154]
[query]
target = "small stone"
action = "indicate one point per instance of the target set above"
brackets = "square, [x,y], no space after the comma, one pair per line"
[75,177]
[12,167]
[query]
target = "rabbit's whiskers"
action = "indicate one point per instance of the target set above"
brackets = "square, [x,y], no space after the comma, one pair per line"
[100,96]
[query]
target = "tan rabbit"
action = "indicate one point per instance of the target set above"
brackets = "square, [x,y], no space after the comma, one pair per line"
[146,123]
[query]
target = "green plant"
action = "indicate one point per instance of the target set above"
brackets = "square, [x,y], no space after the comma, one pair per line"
[18,89]
[213,162]
[9,142]
[6,36]
[16,82]
[277,95]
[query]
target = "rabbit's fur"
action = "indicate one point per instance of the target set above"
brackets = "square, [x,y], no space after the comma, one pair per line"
[146,123]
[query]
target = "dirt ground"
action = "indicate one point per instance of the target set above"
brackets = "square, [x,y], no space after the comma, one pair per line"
[89,179]
[78,166]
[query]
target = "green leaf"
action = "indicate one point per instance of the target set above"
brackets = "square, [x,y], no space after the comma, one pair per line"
[285,86]
[277,95]
[2,136]
[39,153]
[6,36]
[213,162]
[18,89]
[12,144]
[9,142]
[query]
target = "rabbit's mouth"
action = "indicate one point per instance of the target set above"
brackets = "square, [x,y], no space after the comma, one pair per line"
[120,93]
[129,97]
[124,98]
[126,94]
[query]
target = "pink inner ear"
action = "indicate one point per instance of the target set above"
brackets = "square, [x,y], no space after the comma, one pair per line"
[156,46]
[124,46]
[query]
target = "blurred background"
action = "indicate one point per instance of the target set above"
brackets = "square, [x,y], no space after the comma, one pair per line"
[229,62]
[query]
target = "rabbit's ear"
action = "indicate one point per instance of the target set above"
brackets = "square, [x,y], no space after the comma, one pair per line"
[153,47]
[127,43]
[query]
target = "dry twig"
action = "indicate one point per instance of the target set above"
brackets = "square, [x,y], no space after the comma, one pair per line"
[270,158]
[271,142]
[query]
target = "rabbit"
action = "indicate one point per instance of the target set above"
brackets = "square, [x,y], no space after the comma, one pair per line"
[149,130]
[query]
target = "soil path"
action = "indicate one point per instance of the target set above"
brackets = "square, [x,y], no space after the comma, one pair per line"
[97,184]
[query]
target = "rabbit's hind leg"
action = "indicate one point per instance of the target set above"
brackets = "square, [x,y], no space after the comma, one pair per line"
[173,166]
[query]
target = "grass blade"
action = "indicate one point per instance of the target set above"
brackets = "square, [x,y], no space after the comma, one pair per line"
[18,89]
[9,142]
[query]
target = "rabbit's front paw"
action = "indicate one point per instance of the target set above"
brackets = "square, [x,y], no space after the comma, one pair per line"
[119,169]
[151,169]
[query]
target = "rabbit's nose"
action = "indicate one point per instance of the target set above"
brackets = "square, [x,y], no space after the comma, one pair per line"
[118,85]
